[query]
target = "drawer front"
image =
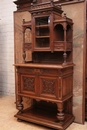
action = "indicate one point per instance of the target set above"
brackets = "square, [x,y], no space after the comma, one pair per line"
[48,87]
[28,84]
[38,71]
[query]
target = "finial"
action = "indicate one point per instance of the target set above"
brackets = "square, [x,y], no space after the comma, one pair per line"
[64,15]
[23,21]
[60,6]
[31,4]
[51,2]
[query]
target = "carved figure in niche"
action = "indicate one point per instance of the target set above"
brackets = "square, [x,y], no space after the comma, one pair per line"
[28,36]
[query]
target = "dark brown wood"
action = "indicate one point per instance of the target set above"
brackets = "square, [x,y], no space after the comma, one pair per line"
[23,4]
[48,79]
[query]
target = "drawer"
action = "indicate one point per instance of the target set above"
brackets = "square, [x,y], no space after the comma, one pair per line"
[38,71]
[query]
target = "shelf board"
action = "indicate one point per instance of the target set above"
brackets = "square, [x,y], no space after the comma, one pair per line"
[62,41]
[42,26]
[46,118]
[42,36]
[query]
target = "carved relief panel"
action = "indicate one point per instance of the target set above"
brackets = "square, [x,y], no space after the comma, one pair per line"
[48,87]
[28,83]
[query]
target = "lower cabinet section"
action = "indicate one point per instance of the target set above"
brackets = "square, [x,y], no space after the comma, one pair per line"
[47,114]
[51,92]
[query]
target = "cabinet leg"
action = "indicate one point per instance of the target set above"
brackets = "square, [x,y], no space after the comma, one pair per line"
[60,114]
[20,105]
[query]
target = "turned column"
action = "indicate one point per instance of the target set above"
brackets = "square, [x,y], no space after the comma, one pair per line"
[60,114]
[20,105]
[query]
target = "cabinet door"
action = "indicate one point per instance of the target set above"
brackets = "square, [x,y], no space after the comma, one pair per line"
[41,33]
[48,87]
[28,84]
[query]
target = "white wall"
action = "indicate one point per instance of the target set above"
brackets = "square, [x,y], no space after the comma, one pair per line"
[7,80]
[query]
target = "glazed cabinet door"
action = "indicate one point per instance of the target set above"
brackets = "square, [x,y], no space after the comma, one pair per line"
[42,37]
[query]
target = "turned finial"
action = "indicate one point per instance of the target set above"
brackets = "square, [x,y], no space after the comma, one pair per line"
[64,15]
[31,5]
[51,2]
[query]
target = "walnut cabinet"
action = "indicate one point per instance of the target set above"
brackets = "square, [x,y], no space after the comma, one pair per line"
[47,79]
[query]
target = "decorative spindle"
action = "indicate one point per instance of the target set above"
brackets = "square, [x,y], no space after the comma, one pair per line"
[64,15]
[23,21]
[51,1]
[65,57]
[24,56]
[31,5]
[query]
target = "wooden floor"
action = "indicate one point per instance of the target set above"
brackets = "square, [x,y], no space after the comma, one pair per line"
[9,122]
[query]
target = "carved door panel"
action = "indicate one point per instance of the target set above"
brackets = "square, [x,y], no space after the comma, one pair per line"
[28,84]
[48,87]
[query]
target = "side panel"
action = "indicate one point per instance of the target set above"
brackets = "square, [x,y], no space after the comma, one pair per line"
[76,12]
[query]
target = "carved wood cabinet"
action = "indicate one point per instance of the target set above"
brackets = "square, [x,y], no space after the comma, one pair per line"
[47,79]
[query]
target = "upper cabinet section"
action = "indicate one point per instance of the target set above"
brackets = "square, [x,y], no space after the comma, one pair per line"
[63,34]
[50,30]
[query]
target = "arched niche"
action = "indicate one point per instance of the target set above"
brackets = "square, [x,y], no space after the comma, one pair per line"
[58,32]
[28,35]
[69,33]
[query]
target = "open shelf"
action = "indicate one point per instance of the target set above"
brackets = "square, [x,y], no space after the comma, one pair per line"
[42,36]
[42,26]
[45,117]
[42,41]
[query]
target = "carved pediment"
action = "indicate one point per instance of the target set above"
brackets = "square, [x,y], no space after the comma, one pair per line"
[25,4]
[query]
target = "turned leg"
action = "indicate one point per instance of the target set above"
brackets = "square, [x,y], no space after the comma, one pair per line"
[60,114]
[20,105]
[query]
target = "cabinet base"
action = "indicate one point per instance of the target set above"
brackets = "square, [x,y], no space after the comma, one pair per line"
[45,118]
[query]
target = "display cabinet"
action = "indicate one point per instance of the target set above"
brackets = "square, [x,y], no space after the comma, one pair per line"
[47,78]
